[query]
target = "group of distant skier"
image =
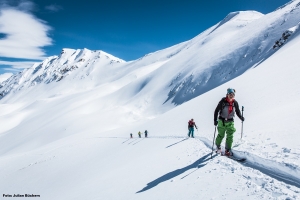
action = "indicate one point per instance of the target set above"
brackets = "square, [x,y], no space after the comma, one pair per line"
[225,109]
[140,134]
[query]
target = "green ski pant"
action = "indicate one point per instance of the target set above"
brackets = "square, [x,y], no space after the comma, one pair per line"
[229,130]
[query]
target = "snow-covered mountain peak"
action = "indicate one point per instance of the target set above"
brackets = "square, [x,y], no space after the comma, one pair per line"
[238,19]
[241,16]
[240,41]
[79,54]
[78,64]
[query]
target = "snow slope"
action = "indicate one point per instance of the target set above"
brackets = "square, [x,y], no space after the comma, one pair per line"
[69,139]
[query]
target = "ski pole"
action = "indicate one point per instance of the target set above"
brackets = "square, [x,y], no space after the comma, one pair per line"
[212,148]
[242,121]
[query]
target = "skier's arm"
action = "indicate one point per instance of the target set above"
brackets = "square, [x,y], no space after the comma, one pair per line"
[218,108]
[237,110]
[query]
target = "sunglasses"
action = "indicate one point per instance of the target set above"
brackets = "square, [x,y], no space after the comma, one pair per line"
[231,94]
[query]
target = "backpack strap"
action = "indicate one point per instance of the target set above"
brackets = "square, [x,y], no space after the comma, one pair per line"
[223,104]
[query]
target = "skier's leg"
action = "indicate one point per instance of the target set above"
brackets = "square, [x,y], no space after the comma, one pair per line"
[229,134]
[190,131]
[221,133]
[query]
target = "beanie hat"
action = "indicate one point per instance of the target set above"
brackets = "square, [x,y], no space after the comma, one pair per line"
[230,90]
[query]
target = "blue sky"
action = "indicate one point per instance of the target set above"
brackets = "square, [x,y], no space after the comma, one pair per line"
[31,30]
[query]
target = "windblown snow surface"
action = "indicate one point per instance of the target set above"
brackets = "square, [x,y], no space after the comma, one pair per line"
[65,122]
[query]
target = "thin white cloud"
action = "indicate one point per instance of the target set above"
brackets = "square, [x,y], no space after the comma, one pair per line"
[25,34]
[22,35]
[16,65]
[53,8]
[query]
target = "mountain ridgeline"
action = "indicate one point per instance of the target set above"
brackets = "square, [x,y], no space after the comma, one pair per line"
[241,41]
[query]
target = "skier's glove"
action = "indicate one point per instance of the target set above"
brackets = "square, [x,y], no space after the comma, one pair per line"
[243,119]
[215,123]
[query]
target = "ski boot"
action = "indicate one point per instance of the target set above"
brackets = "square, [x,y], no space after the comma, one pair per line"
[218,151]
[228,153]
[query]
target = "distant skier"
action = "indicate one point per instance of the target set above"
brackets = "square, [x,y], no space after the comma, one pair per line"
[191,125]
[139,133]
[226,109]
[146,133]
[130,135]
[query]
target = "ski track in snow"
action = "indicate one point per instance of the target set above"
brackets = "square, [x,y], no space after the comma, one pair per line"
[280,171]
[138,141]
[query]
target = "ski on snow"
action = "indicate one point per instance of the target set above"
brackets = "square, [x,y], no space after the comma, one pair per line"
[233,157]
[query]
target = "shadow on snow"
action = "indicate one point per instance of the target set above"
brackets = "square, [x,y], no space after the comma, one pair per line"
[177,142]
[197,164]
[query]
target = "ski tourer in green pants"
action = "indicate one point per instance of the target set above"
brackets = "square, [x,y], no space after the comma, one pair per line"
[226,109]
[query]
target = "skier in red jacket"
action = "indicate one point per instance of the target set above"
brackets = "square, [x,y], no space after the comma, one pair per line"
[191,125]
